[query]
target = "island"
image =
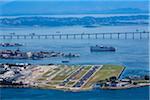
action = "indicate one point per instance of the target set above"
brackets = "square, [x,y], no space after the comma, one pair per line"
[67,77]
[18,54]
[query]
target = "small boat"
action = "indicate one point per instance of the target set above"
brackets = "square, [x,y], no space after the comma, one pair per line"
[65,61]
[90,26]
[10,44]
[102,48]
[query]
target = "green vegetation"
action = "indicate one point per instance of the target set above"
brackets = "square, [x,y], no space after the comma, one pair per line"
[105,72]
[64,73]
[47,87]
[51,72]
[53,83]
[70,83]
[41,79]
[47,73]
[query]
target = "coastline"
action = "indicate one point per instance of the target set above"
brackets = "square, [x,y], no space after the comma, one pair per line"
[69,90]
[122,88]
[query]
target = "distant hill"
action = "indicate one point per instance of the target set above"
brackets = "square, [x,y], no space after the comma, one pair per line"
[73,7]
[70,21]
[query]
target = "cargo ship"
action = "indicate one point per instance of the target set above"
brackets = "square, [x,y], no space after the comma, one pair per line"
[102,48]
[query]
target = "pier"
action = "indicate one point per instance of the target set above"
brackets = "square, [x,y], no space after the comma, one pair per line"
[117,35]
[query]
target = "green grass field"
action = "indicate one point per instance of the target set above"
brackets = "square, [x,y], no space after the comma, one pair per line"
[53,83]
[69,84]
[47,73]
[105,72]
[64,73]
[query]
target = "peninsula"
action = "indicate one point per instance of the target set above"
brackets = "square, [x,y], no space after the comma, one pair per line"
[67,77]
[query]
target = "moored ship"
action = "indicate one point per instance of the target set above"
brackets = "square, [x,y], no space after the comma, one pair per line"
[102,48]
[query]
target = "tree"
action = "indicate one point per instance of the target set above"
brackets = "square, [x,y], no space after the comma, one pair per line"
[134,83]
[113,79]
[146,77]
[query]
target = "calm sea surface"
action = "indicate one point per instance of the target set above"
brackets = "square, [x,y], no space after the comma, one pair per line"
[71,29]
[131,53]
[37,94]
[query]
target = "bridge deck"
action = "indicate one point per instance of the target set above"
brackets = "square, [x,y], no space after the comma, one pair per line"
[119,35]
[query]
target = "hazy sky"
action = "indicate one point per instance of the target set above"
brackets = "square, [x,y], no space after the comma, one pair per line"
[18,7]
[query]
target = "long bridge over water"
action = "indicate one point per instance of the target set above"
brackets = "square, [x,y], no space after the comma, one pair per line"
[115,35]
